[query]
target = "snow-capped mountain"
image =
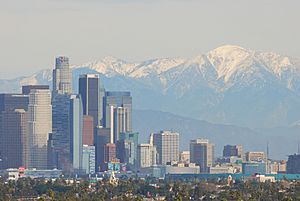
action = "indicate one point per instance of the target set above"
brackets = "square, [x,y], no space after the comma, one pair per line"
[229,84]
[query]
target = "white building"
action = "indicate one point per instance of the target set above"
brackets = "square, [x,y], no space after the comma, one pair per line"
[89,159]
[146,155]
[39,126]
[222,170]
[185,156]
[120,122]
[182,168]
[264,178]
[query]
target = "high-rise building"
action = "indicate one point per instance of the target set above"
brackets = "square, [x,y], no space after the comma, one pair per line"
[10,102]
[13,139]
[39,127]
[92,97]
[167,146]
[127,149]
[27,88]
[88,161]
[76,128]
[88,130]
[233,150]
[103,138]
[62,76]
[293,164]
[253,156]
[61,133]
[146,155]
[117,112]
[202,153]
[110,152]
[52,160]
[121,122]
[67,131]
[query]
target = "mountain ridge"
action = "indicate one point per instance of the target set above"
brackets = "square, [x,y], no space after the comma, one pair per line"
[230,85]
[149,121]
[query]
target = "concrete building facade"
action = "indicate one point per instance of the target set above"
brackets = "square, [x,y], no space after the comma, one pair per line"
[167,146]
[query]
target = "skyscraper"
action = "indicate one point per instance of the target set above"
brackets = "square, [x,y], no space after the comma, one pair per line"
[110,152]
[103,138]
[61,131]
[13,139]
[76,129]
[167,146]
[88,130]
[92,96]
[202,153]
[27,88]
[39,127]
[121,122]
[13,130]
[10,102]
[67,131]
[117,113]
[62,76]
[127,149]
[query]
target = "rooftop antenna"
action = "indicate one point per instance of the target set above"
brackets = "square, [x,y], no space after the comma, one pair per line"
[267,150]
[267,161]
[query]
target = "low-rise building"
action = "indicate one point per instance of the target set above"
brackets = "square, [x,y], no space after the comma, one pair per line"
[185,156]
[255,156]
[15,174]
[253,168]
[221,170]
[263,178]
[182,168]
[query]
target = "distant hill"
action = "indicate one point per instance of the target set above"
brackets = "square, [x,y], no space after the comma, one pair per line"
[282,141]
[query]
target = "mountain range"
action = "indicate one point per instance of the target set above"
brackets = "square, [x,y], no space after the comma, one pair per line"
[230,85]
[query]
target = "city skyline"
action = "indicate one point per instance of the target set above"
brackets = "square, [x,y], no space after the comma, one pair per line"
[262,147]
[149,100]
[57,128]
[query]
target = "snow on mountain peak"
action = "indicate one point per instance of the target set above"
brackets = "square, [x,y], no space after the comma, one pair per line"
[221,68]
[156,67]
[230,59]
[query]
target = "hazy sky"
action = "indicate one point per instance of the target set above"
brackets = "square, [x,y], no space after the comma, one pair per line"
[33,32]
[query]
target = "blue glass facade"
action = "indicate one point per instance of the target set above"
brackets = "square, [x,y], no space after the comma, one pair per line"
[67,129]
[127,149]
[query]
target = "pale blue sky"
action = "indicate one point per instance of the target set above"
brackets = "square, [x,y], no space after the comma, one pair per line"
[33,32]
